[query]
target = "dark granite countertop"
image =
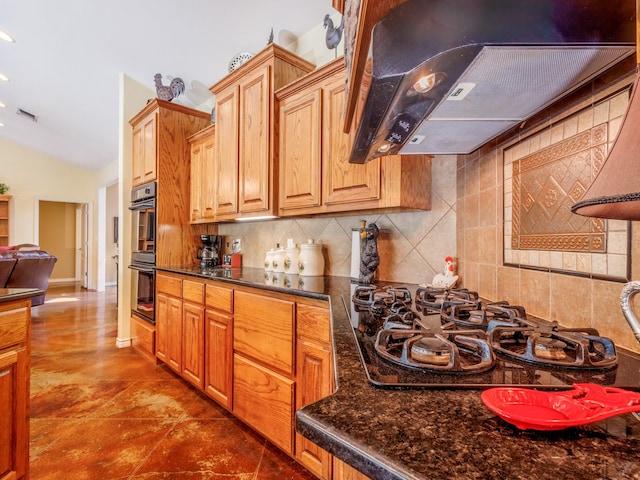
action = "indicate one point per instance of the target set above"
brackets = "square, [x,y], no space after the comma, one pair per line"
[9,294]
[439,433]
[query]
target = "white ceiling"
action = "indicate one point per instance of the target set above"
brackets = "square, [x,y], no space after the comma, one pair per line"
[65,64]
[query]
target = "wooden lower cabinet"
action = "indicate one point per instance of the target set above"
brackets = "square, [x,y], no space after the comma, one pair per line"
[15,319]
[219,357]
[143,337]
[261,355]
[342,471]
[193,332]
[169,331]
[314,374]
[265,400]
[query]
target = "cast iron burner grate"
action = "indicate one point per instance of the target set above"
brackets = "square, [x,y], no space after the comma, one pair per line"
[552,345]
[463,351]
[479,315]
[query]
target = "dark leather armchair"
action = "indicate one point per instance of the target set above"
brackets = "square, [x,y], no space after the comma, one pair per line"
[7,262]
[31,269]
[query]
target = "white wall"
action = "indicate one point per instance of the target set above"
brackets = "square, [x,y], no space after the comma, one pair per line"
[133,98]
[34,176]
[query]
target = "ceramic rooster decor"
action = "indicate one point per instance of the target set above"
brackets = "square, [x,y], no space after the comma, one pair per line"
[334,34]
[168,93]
[448,279]
[369,259]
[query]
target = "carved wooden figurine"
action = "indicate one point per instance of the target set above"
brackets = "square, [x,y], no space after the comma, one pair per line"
[369,260]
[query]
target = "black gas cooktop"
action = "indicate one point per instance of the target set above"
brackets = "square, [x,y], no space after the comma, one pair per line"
[384,370]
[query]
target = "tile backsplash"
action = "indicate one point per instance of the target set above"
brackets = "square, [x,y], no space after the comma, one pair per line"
[412,245]
[485,255]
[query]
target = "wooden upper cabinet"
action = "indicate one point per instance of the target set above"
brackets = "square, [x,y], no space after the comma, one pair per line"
[226,154]
[202,175]
[255,160]
[299,150]
[162,153]
[343,182]
[144,167]
[313,157]
[244,141]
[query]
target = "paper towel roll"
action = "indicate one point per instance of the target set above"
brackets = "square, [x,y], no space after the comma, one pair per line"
[355,253]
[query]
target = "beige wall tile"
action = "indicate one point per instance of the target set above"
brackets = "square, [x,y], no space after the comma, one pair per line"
[488,281]
[508,285]
[571,299]
[534,292]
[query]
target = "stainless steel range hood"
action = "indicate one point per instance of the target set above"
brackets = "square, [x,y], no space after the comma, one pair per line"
[447,76]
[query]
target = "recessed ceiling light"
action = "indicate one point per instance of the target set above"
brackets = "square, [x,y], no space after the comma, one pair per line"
[6,37]
[2,105]
[1,124]
[4,78]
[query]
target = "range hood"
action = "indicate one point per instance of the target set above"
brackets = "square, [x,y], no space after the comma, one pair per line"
[447,76]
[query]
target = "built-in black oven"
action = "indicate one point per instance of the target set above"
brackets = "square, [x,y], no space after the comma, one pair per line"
[143,252]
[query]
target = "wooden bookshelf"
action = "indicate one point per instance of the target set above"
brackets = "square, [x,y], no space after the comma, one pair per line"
[4,219]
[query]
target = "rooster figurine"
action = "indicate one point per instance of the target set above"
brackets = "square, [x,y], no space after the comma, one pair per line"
[175,88]
[448,279]
[334,34]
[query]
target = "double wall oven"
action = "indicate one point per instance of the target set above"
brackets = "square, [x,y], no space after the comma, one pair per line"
[143,252]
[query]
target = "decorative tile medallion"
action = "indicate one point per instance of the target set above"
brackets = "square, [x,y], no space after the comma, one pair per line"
[545,185]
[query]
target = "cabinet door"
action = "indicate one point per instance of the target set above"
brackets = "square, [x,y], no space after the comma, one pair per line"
[255,160]
[263,329]
[207,184]
[226,153]
[197,168]
[342,471]
[14,422]
[193,344]
[343,182]
[144,151]
[169,331]
[219,357]
[299,150]
[264,399]
[314,374]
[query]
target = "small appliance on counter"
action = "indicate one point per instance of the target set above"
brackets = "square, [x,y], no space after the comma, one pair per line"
[209,252]
[234,259]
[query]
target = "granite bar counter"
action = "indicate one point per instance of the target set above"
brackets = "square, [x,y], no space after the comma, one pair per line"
[438,433]
[10,294]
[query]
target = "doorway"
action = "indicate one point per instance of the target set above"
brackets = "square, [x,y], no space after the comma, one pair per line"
[63,231]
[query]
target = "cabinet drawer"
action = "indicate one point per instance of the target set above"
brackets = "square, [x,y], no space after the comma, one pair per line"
[143,336]
[220,298]
[263,329]
[314,323]
[169,285]
[14,323]
[264,400]
[193,291]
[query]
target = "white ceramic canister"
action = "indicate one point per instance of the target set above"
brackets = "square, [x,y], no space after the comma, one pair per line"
[311,261]
[268,261]
[278,260]
[291,257]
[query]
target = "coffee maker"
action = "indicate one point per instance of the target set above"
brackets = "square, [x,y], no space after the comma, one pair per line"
[209,252]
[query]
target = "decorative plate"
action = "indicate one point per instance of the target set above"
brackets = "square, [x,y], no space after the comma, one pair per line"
[238,60]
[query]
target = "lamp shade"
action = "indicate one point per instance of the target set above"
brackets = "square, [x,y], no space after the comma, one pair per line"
[615,192]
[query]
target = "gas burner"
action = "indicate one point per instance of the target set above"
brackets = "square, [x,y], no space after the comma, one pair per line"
[402,318]
[378,300]
[460,352]
[432,299]
[553,346]
[479,316]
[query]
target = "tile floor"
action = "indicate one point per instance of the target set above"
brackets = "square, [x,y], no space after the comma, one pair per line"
[99,412]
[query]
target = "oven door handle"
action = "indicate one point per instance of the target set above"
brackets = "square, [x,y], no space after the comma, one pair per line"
[142,269]
[143,205]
